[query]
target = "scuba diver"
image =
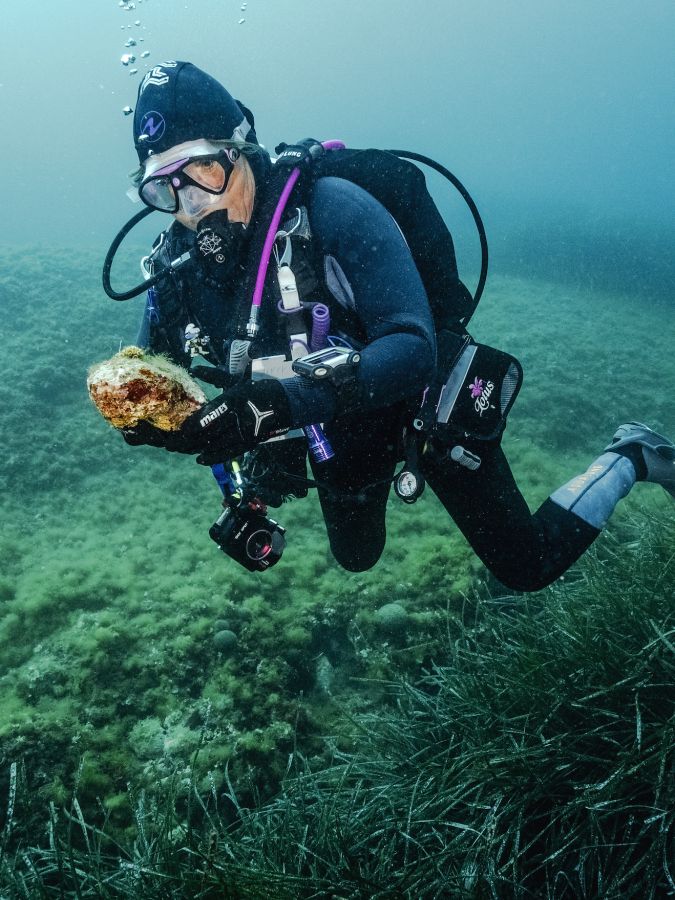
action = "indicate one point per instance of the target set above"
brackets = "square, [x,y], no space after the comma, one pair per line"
[357,350]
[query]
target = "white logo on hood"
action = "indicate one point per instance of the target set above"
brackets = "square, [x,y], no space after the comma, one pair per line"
[157,75]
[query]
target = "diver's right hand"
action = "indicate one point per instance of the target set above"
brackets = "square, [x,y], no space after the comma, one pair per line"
[227,426]
[145,433]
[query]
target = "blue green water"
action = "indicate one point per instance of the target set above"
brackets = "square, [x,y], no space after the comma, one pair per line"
[111,593]
[562,108]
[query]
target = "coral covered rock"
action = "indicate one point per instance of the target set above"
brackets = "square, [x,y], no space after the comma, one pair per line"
[136,386]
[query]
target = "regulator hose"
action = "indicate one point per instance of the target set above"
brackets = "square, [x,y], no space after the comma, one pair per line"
[110,255]
[446,173]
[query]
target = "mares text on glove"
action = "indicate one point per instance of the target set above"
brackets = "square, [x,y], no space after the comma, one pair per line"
[240,419]
[236,421]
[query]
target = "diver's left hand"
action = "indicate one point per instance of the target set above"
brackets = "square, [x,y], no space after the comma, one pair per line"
[224,428]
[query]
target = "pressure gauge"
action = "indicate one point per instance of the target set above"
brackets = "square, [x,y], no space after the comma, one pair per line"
[408,486]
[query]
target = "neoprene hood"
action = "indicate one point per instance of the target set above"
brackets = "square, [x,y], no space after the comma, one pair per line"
[177,102]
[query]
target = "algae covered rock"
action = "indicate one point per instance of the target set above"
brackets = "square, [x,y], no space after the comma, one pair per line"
[136,386]
[391,617]
[225,640]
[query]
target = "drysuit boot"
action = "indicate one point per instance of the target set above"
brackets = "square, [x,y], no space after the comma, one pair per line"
[652,454]
[636,453]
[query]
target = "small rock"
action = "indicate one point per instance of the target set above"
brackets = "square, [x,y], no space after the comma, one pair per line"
[225,640]
[391,617]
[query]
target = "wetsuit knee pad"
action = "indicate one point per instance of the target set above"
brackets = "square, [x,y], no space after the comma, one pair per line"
[357,559]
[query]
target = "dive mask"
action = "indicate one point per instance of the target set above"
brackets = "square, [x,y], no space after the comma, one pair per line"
[199,179]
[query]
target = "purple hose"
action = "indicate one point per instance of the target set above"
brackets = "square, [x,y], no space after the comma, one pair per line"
[274,226]
[320,326]
[271,234]
[333,145]
[319,446]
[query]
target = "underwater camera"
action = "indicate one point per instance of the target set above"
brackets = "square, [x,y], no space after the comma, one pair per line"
[249,536]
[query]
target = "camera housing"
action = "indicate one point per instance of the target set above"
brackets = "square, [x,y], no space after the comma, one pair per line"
[249,536]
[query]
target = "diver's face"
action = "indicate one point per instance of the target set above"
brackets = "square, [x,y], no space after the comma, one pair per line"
[201,189]
[237,198]
[196,202]
[196,178]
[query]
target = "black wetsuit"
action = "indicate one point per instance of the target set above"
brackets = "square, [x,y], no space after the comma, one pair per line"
[378,302]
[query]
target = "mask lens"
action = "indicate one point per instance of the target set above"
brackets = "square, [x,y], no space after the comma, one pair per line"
[159,193]
[207,173]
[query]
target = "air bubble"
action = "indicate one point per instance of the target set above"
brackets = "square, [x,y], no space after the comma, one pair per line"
[127,58]
[145,54]
[127,110]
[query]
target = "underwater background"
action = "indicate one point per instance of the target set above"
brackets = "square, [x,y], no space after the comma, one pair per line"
[140,668]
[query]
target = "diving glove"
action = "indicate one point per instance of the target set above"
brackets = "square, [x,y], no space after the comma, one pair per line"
[224,428]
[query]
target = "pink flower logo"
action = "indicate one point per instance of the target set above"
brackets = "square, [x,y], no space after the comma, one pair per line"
[477,387]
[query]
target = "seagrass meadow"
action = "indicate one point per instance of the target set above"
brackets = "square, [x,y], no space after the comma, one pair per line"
[173,726]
